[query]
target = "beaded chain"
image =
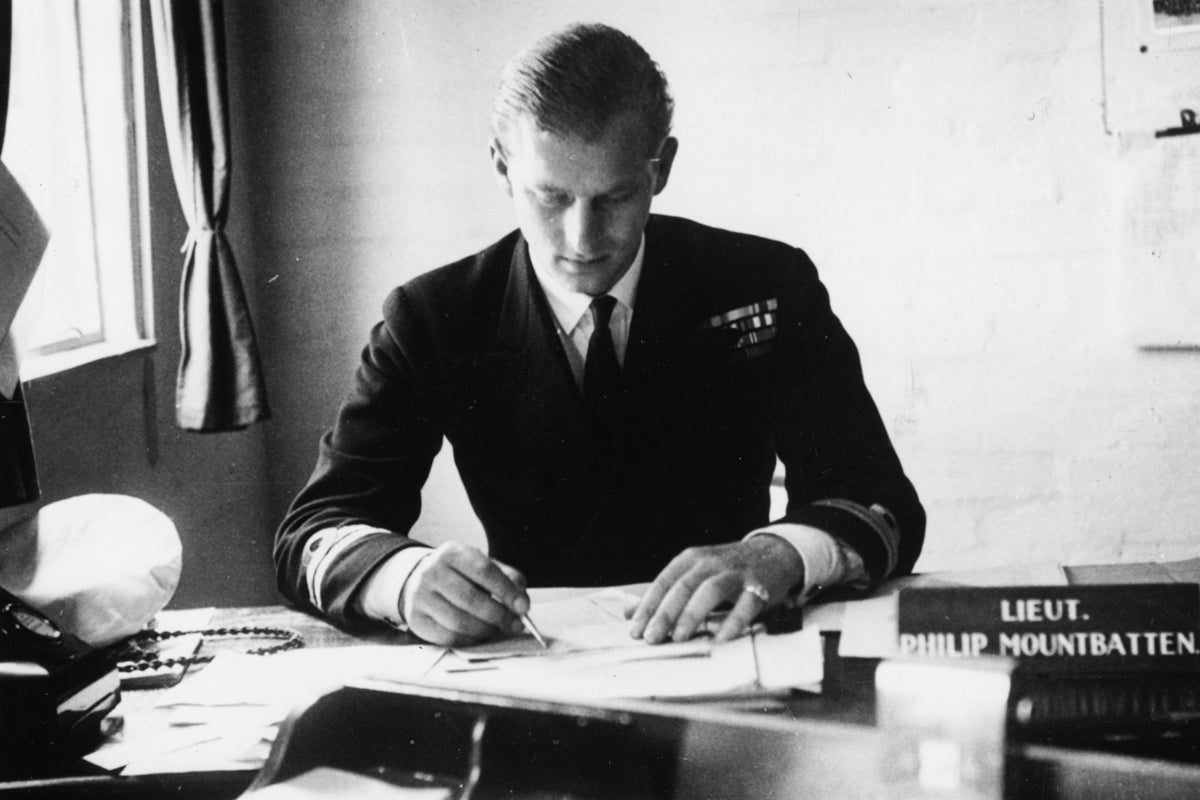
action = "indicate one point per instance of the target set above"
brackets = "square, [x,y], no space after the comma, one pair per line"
[141,659]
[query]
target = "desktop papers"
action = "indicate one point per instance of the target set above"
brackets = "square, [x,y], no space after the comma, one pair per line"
[325,783]
[225,715]
[1187,571]
[592,657]
[583,620]
[695,669]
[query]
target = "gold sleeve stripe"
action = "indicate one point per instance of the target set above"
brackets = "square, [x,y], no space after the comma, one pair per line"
[880,520]
[323,549]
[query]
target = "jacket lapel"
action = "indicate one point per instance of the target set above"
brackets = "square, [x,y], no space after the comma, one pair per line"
[659,354]
[544,402]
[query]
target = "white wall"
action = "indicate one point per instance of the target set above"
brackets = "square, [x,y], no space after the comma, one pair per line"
[944,162]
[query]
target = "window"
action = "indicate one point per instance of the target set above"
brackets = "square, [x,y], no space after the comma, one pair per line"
[75,141]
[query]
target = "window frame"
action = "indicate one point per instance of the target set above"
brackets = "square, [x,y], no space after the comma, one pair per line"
[123,266]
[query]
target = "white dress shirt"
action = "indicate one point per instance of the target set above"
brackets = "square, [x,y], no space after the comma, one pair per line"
[572,317]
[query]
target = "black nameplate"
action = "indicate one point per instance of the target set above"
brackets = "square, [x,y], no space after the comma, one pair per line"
[1114,628]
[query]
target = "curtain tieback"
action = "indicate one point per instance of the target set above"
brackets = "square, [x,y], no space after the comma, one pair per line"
[195,233]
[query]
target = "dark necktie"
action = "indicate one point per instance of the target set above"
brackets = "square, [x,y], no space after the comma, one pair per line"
[601,372]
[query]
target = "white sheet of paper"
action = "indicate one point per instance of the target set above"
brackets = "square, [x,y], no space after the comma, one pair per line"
[240,740]
[1157,238]
[1040,573]
[23,240]
[825,616]
[870,628]
[326,783]
[592,656]
[1186,571]
[283,679]
[571,621]
[695,668]
[225,715]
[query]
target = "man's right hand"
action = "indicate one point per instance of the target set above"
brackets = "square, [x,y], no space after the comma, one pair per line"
[457,595]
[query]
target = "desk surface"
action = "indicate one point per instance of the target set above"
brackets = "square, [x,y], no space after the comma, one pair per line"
[847,697]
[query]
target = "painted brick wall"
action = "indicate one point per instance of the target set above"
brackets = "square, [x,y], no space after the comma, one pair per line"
[944,162]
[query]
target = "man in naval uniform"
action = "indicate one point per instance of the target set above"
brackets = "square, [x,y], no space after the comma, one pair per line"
[617,387]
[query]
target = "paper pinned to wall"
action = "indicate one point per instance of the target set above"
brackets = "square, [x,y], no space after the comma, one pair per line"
[1158,212]
[1150,52]
[23,240]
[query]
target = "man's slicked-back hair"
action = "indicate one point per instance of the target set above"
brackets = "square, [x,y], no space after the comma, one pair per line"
[576,80]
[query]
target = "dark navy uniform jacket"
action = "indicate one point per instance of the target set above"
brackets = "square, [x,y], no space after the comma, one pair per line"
[734,358]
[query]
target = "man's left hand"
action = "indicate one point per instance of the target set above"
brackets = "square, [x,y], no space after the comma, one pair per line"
[753,575]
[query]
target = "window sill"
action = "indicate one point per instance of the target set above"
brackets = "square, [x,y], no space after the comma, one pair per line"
[34,368]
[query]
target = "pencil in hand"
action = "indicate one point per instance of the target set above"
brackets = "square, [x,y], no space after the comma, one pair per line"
[529,626]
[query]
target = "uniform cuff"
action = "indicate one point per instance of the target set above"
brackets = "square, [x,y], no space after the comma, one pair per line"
[827,561]
[382,597]
[322,550]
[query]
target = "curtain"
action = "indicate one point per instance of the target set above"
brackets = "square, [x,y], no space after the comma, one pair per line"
[220,383]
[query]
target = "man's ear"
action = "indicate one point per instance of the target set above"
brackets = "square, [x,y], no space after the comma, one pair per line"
[666,157]
[500,164]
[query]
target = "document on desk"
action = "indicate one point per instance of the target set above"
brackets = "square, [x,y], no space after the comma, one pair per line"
[1186,571]
[870,627]
[585,620]
[686,670]
[327,783]
[224,715]
[592,656]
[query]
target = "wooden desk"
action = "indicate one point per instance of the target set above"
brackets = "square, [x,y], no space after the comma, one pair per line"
[1042,771]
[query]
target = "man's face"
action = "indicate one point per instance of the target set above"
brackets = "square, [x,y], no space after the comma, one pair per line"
[582,205]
